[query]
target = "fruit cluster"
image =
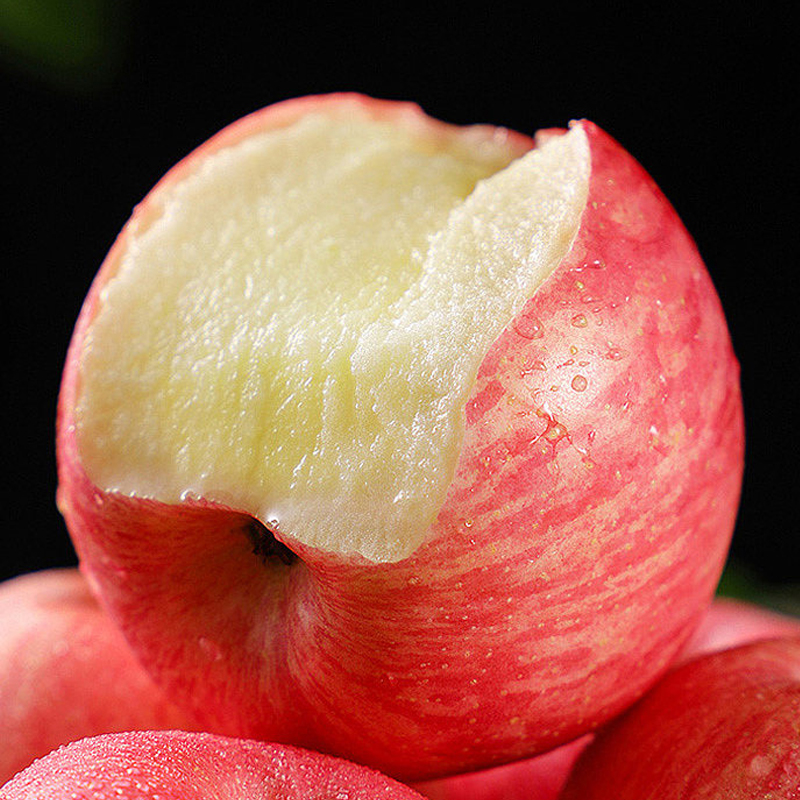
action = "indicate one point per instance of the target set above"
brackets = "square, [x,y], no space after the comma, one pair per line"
[395,448]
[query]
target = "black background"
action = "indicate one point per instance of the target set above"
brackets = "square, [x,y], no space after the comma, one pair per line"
[99,99]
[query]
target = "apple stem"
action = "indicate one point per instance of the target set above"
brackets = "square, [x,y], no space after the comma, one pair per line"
[266,545]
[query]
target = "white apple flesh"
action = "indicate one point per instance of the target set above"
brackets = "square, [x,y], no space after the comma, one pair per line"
[474,408]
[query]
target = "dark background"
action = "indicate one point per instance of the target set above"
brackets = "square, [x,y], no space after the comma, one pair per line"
[100,98]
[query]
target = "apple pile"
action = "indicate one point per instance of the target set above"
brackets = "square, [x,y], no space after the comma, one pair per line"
[414,445]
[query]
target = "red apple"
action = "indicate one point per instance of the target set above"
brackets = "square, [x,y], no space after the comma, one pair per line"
[66,672]
[399,440]
[730,622]
[539,778]
[725,725]
[726,624]
[195,766]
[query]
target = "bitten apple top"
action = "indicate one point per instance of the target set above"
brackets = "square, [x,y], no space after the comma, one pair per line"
[294,323]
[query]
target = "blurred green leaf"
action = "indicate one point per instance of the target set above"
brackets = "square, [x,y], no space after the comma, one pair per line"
[75,45]
[741,583]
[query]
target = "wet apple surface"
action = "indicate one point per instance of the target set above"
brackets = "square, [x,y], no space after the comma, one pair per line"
[195,766]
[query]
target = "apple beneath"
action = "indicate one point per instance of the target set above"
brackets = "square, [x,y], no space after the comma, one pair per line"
[411,443]
[195,766]
[66,671]
[724,725]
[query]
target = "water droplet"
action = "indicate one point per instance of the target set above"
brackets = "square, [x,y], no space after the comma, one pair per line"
[579,383]
[528,326]
[579,321]
[211,649]
[535,366]
[555,433]
[614,354]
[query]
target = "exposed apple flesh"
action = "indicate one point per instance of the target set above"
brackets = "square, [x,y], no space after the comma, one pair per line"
[725,725]
[195,766]
[66,671]
[297,332]
[569,492]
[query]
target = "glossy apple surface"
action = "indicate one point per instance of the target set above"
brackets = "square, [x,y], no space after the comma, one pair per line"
[724,725]
[727,623]
[515,525]
[730,622]
[66,672]
[195,766]
[539,778]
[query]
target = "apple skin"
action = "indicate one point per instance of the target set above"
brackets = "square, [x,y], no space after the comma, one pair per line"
[66,672]
[730,623]
[723,725]
[727,623]
[582,536]
[539,778]
[195,766]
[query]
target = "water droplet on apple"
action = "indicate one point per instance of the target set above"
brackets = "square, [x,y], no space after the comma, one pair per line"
[535,366]
[555,432]
[579,383]
[528,326]
[210,649]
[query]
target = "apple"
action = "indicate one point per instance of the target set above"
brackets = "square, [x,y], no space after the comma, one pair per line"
[539,778]
[66,672]
[195,766]
[724,725]
[730,622]
[413,443]
[727,623]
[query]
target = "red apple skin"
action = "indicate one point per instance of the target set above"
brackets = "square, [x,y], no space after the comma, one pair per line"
[727,623]
[582,536]
[730,623]
[724,725]
[539,778]
[195,766]
[66,672]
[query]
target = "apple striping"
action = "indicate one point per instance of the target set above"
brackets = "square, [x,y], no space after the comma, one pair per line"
[726,624]
[583,528]
[724,725]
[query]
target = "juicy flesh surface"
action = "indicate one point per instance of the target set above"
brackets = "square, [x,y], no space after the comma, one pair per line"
[297,332]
